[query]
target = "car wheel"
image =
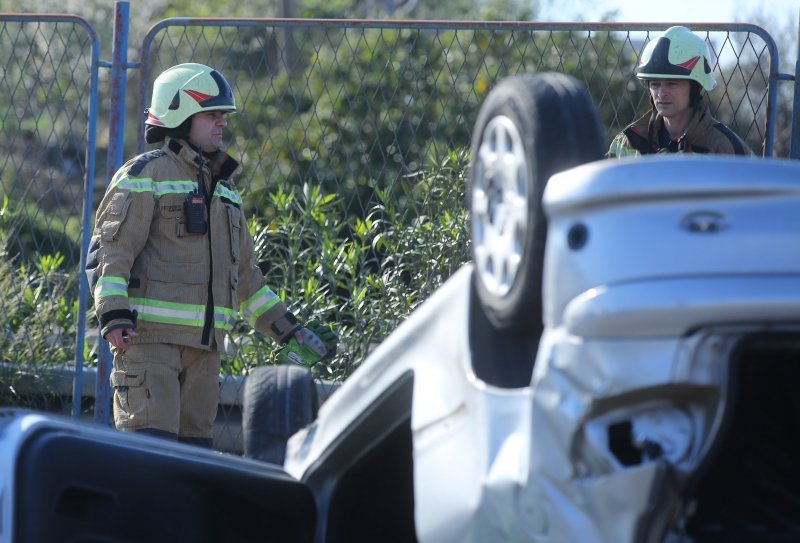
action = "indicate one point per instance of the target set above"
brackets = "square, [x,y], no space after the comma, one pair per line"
[529,128]
[278,401]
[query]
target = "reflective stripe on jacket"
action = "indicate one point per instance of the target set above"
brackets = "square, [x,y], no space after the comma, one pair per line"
[185,288]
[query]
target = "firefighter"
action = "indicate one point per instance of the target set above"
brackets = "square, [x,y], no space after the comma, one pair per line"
[676,69]
[171,266]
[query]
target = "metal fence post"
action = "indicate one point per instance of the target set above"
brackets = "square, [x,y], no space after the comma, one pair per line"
[116,133]
[88,191]
[794,151]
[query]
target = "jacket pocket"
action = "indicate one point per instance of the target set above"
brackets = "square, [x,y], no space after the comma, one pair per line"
[178,272]
[130,396]
[182,283]
[235,228]
[116,214]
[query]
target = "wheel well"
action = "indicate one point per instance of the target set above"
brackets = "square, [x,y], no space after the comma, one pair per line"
[365,484]
[501,358]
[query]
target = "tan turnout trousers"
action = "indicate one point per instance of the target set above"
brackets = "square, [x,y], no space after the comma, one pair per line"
[173,388]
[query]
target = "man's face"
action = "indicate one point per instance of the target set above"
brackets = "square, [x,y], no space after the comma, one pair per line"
[207,129]
[671,96]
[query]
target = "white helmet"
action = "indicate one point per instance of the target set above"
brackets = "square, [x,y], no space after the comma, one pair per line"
[677,54]
[183,90]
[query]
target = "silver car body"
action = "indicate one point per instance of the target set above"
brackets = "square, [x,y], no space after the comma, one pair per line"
[654,269]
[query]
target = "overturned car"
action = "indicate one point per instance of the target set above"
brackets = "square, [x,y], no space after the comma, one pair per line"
[617,364]
[651,396]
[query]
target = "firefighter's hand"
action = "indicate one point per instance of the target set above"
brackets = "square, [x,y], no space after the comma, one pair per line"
[119,337]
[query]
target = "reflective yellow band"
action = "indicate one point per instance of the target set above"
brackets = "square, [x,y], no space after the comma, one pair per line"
[181,314]
[111,286]
[258,304]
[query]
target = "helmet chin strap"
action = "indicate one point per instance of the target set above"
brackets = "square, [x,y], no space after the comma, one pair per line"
[155,134]
[696,95]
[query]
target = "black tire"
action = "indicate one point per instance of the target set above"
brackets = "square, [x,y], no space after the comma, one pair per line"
[278,401]
[557,127]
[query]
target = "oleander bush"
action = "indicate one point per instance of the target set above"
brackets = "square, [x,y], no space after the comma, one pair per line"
[38,312]
[361,277]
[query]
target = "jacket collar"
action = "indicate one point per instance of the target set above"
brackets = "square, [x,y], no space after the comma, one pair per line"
[700,122]
[650,125]
[221,165]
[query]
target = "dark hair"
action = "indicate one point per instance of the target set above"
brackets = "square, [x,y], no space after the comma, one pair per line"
[695,94]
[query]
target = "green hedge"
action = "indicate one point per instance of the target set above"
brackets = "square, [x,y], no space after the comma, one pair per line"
[361,276]
[38,313]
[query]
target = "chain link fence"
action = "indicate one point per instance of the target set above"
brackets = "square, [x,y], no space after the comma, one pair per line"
[353,138]
[48,97]
[346,104]
[360,108]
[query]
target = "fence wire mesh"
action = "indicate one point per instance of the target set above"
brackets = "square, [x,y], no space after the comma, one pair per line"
[346,105]
[45,93]
[353,137]
[367,112]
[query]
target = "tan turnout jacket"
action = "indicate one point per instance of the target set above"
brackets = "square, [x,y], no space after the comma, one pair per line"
[178,287]
[704,134]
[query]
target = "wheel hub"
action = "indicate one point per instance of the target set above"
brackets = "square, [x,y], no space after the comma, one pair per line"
[499,205]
